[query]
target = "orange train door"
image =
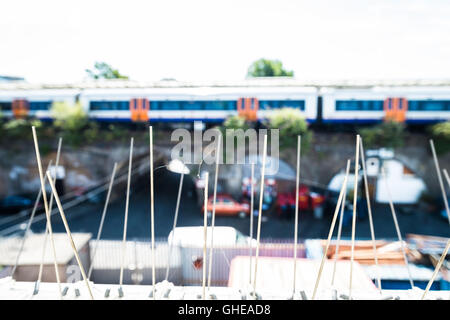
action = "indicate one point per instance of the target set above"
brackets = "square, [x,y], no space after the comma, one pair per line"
[395,109]
[139,108]
[20,108]
[248,108]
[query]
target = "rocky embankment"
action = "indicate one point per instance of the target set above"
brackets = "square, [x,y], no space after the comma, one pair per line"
[89,165]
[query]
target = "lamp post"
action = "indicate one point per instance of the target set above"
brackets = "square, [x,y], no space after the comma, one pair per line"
[175,166]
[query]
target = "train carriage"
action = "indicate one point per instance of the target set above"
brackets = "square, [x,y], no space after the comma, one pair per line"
[207,104]
[405,104]
[255,99]
[169,101]
[34,102]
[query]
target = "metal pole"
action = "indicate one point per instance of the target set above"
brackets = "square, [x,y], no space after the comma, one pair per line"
[297,189]
[180,188]
[125,223]
[100,228]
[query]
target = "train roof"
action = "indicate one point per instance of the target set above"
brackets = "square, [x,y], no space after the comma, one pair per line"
[249,82]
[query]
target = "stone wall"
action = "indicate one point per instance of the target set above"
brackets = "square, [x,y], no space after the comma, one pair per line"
[329,152]
[90,165]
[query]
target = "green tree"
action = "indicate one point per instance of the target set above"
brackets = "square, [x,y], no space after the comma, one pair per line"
[19,128]
[69,117]
[268,68]
[291,124]
[388,134]
[234,122]
[441,136]
[74,123]
[102,70]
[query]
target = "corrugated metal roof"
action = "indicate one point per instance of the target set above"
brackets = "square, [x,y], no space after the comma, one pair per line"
[276,274]
[32,250]
[109,254]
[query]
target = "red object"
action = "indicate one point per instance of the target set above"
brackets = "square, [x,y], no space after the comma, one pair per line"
[197,262]
[270,186]
[316,200]
[227,206]
[306,200]
[303,198]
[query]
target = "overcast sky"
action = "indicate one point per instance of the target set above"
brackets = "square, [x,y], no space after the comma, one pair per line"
[55,41]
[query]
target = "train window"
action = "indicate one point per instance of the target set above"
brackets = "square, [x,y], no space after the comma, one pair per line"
[343,105]
[268,104]
[230,105]
[220,105]
[154,105]
[170,105]
[413,105]
[174,105]
[432,105]
[109,105]
[193,105]
[276,104]
[40,105]
[114,105]
[264,105]
[5,106]
[429,105]
[124,105]
[214,105]
[377,105]
[121,105]
[365,105]
[94,105]
[359,105]
[297,104]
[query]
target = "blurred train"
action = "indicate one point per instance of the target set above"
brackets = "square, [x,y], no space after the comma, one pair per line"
[255,99]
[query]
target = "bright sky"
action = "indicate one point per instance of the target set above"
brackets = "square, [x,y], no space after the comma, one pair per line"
[56,41]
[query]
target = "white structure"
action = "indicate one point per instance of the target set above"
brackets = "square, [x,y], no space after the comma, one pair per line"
[223,236]
[12,290]
[424,101]
[31,255]
[404,185]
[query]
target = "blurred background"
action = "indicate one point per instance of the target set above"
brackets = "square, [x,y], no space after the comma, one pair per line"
[98,73]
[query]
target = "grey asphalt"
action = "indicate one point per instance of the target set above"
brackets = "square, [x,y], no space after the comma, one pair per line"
[86,218]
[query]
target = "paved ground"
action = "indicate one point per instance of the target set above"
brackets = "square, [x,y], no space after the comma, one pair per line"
[87,217]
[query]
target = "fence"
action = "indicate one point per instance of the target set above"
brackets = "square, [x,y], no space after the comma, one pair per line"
[185,263]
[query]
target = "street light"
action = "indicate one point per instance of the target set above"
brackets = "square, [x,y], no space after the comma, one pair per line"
[176,166]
